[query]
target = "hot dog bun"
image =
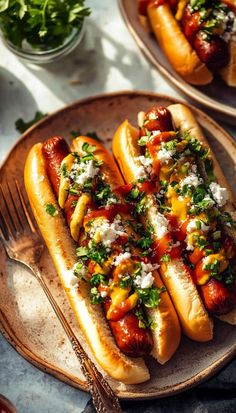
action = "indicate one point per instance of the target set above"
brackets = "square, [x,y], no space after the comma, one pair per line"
[129,154]
[40,188]
[176,47]
[167,333]
[228,73]
[194,319]
[62,250]
[185,120]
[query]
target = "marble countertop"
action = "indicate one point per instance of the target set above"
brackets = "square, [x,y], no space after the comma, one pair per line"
[107,60]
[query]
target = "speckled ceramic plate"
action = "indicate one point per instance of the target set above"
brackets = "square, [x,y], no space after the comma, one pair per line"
[29,323]
[217,96]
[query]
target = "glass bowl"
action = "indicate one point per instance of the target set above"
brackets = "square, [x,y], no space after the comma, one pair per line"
[40,56]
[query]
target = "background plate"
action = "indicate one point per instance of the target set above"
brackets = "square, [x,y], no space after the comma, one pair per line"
[217,96]
[29,323]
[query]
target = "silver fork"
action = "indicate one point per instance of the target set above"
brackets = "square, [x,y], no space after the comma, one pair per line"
[23,244]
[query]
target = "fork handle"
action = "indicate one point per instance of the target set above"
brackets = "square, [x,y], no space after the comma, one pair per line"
[104,399]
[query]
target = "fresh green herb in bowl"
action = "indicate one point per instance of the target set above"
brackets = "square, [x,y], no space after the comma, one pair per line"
[41,25]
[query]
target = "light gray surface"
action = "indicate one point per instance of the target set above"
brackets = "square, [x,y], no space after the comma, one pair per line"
[107,60]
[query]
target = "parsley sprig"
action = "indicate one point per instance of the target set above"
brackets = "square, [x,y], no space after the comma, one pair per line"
[44,24]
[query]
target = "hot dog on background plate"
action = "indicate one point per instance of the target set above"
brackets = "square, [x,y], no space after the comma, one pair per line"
[102,255]
[197,36]
[170,170]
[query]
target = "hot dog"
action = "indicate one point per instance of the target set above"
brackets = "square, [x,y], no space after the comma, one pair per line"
[90,234]
[135,341]
[193,216]
[198,38]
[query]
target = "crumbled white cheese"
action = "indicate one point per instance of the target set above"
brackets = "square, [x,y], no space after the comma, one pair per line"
[192,180]
[210,201]
[146,163]
[145,279]
[103,294]
[70,279]
[107,231]
[156,133]
[140,172]
[161,224]
[121,257]
[193,225]
[152,116]
[165,155]
[111,200]
[220,194]
[84,171]
[229,25]
[206,260]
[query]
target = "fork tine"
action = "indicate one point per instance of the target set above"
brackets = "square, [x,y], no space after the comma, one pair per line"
[12,220]
[5,229]
[23,204]
[19,221]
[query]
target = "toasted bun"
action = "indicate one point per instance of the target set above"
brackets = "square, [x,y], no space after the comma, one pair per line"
[126,150]
[176,47]
[228,73]
[185,120]
[195,321]
[167,333]
[62,250]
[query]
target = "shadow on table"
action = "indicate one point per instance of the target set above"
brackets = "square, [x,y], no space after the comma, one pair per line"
[87,68]
[215,395]
[16,101]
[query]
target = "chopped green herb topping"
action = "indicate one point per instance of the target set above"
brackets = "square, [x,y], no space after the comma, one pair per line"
[143,140]
[144,321]
[103,194]
[51,209]
[86,147]
[214,268]
[64,170]
[141,205]
[145,242]
[74,191]
[98,279]
[74,203]
[95,296]
[195,146]
[171,145]
[150,297]
[96,252]
[78,269]
[126,281]
[165,258]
